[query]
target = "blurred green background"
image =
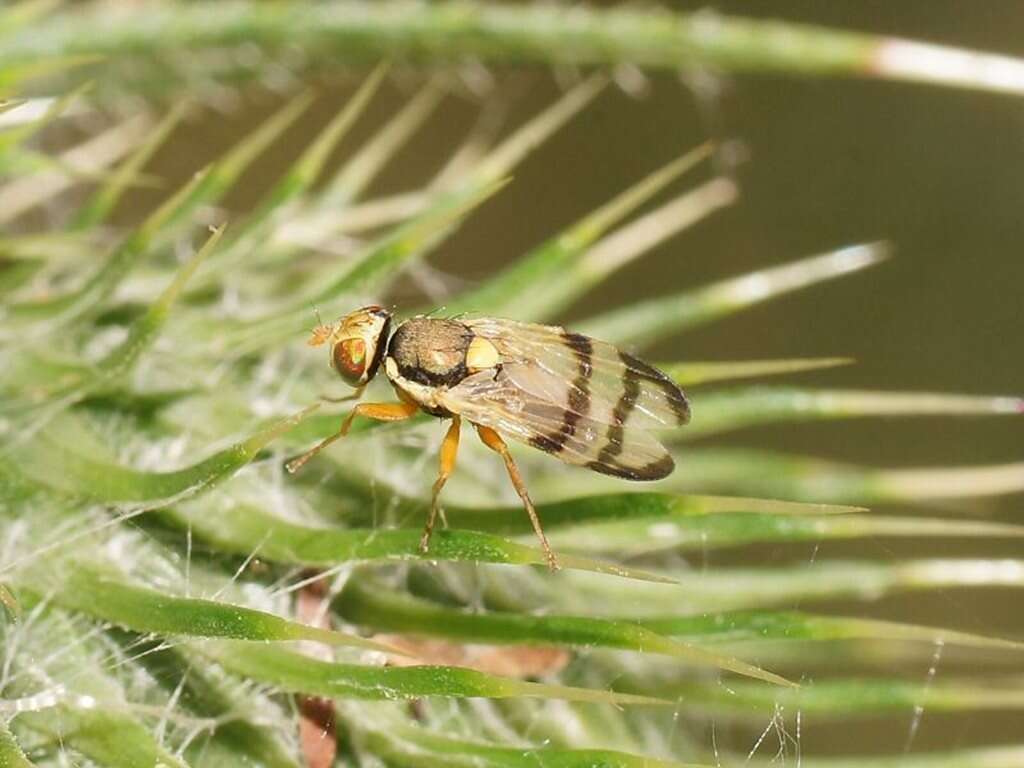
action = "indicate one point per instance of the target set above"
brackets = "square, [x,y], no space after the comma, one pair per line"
[821,163]
[827,162]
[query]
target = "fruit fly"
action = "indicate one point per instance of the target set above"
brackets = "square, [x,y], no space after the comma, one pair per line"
[577,398]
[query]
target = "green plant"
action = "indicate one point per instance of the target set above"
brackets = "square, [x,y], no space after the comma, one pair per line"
[159,569]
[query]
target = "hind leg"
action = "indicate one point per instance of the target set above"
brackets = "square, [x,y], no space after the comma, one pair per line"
[493,441]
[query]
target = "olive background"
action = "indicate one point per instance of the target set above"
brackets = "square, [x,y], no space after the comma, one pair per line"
[938,173]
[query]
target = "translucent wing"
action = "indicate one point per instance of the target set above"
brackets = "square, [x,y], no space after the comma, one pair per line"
[495,400]
[599,380]
[574,397]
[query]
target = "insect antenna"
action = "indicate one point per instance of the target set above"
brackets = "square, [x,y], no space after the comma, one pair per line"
[321,332]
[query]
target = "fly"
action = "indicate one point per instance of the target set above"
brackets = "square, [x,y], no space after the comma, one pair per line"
[579,399]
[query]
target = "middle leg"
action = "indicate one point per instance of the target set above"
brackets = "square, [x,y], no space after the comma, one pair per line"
[449,450]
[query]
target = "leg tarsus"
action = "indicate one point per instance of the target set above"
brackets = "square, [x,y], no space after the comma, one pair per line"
[449,451]
[493,441]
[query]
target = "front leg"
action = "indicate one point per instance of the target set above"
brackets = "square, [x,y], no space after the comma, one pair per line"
[351,396]
[377,411]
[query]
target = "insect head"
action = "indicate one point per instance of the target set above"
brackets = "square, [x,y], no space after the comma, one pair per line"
[357,343]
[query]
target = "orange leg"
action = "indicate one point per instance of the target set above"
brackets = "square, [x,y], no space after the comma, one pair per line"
[449,450]
[378,411]
[351,396]
[493,441]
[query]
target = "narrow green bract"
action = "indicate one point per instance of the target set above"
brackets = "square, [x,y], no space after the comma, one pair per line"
[172,596]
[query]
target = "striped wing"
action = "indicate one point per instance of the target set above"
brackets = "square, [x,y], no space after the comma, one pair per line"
[621,389]
[577,398]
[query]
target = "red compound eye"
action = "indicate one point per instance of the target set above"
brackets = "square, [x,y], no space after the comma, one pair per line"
[350,360]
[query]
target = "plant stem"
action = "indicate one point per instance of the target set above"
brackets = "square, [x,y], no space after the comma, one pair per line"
[347,31]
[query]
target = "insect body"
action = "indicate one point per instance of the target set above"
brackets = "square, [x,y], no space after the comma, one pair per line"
[579,399]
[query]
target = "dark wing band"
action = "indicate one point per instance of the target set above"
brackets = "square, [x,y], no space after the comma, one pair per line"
[498,400]
[593,377]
